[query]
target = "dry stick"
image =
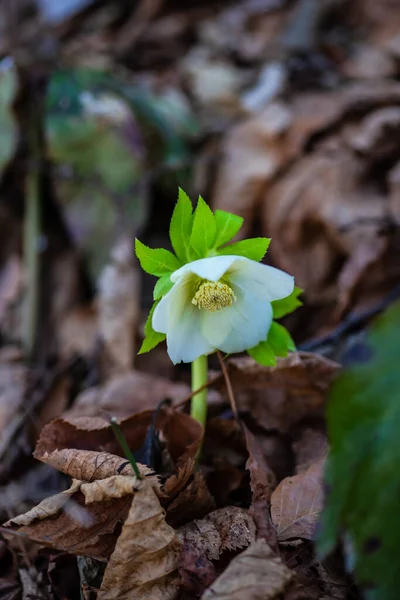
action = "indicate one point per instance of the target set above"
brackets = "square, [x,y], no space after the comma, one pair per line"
[208,383]
[228,384]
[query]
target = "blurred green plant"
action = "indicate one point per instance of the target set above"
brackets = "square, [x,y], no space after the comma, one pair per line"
[8,127]
[105,138]
[362,472]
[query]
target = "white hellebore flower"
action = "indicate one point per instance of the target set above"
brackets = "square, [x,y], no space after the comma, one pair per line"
[222,302]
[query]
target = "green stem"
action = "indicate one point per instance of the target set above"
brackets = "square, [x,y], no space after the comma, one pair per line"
[199,378]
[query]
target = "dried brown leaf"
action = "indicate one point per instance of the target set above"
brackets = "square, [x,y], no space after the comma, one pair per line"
[262,482]
[89,465]
[116,486]
[146,555]
[60,441]
[226,528]
[64,522]
[193,502]
[282,396]
[196,570]
[256,574]
[297,503]
[47,508]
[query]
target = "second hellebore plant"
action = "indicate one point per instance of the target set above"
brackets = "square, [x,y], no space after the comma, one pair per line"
[211,296]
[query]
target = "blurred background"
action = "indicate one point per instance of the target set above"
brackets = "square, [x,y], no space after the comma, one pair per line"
[285,112]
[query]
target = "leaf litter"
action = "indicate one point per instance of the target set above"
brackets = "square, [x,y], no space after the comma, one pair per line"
[291,131]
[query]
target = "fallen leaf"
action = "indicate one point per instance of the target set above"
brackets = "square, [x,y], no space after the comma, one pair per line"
[297,503]
[226,528]
[280,397]
[118,307]
[193,502]
[62,438]
[146,554]
[63,522]
[256,574]
[310,445]
[325,214]
[89,465]
[262,482]
[196,570]
[116,486]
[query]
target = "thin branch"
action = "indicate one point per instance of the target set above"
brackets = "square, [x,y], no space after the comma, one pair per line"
[228,384]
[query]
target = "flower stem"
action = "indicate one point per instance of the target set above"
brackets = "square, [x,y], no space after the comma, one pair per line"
[199,400]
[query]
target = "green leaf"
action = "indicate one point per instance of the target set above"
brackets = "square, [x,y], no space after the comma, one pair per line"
[254,248]
[181,226]
[151,338]
[204,229]
[228,225]
[280,340]
[263,354]
[362,472]
[156,261]
[287,305]
[162,287]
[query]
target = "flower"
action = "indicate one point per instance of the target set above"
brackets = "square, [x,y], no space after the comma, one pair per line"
[221,302]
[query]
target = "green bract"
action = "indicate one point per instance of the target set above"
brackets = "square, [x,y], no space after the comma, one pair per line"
[202,234]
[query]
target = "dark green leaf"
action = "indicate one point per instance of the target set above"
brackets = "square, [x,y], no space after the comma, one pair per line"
[362,473]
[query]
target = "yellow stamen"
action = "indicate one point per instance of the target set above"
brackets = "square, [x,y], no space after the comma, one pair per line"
[213,295]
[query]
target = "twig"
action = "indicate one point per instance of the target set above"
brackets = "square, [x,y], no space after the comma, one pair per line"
[228,384]
[351,323]
[208,383]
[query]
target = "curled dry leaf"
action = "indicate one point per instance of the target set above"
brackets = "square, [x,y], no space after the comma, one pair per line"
[112,487]
[64,522]
[282,396]
[60,440]
[89,465]
[297,503]
[255,574]
[226,528]
[146,555]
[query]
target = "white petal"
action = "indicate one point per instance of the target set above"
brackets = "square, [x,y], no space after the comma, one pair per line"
[212,268]
[240,326]
[176,316]
[265,282]
[185,340]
